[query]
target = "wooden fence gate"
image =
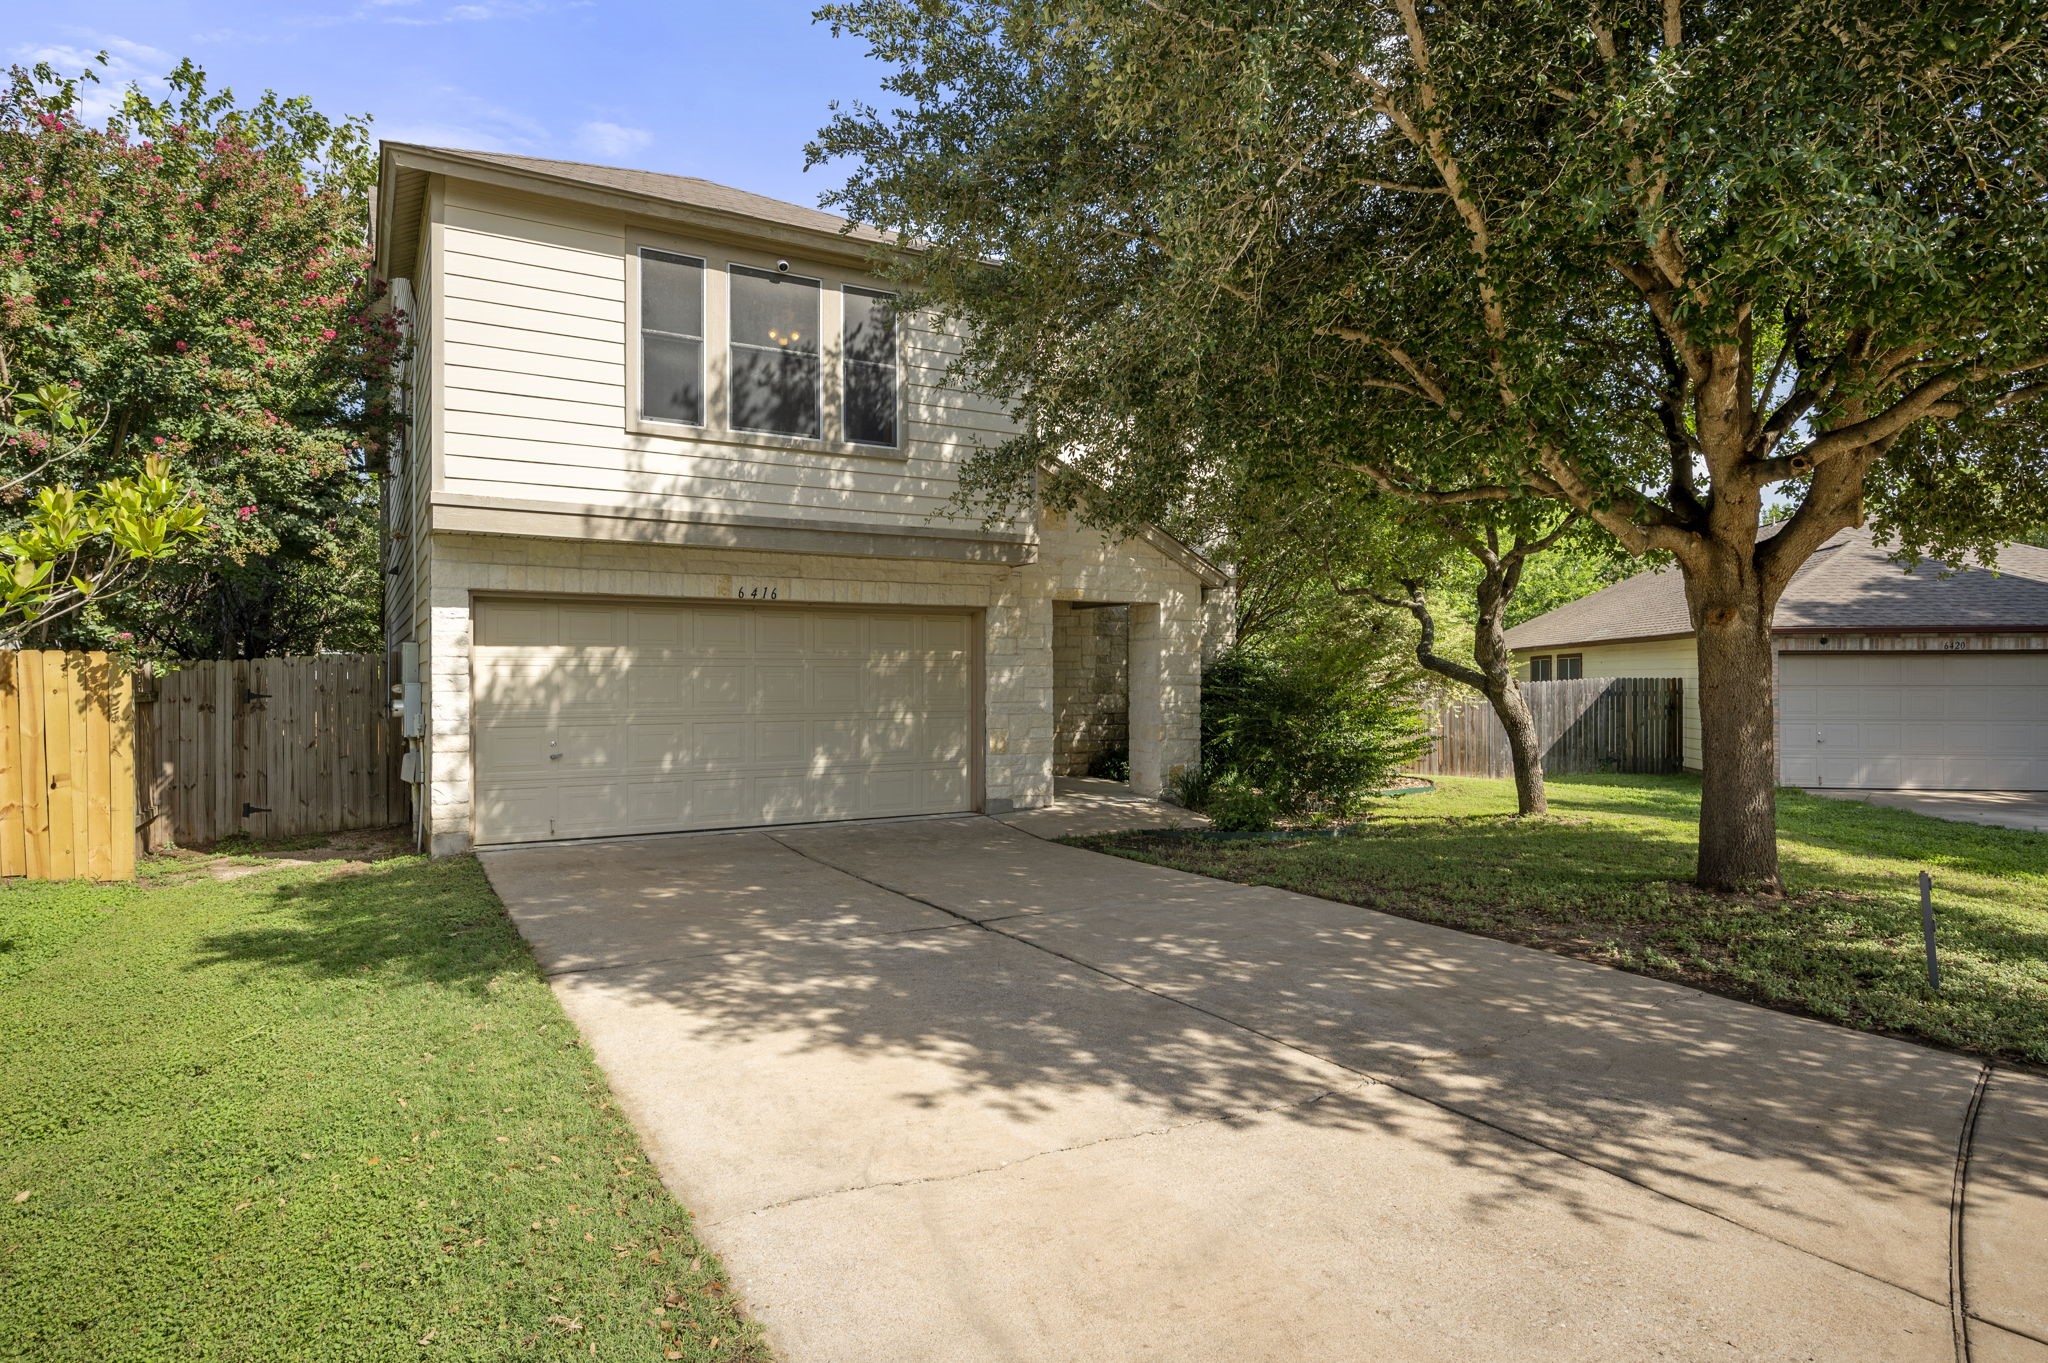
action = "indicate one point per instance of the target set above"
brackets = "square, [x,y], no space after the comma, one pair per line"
[1621,724]
[67,773]
[270,747]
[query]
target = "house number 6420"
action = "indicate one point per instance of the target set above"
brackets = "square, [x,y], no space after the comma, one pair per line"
[755,593]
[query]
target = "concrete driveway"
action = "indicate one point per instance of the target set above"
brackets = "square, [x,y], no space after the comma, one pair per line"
[943,1090]
[2026,809]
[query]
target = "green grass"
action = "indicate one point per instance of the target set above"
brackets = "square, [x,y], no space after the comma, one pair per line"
[1603,877]
[329,1112]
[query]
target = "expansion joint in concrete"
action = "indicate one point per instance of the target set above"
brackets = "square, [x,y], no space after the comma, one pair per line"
[1381,1080]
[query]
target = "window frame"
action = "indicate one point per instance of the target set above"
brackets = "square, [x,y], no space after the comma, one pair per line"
[719,258]
[1547,662]
[846,365]
[637,381]
[817,387]
[1578,662]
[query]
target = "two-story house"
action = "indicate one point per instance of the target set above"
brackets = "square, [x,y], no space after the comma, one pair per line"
[672,544]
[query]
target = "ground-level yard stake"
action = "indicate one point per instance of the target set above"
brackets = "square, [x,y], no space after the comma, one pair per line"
[1927,927]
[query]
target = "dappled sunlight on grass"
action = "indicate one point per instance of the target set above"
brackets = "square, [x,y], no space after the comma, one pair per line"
[1604,877]
[321,1112]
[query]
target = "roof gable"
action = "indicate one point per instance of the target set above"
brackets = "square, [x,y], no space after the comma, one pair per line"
[1851,585]
[700,204]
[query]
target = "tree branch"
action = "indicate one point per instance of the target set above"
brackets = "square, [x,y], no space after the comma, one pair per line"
[1425,640]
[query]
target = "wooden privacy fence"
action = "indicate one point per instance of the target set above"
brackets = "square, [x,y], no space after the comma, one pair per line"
[1622,724]
[271,747]
[67,773]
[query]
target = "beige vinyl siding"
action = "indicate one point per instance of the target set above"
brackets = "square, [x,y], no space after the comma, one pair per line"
[1647,658]
[421,472]
[406,497]
[535,387]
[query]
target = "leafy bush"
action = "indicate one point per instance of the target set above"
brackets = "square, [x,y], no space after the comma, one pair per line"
[1313,723]
[1240,809]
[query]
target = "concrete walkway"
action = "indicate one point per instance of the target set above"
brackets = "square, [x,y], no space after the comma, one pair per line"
[2026,809]
[942,1090]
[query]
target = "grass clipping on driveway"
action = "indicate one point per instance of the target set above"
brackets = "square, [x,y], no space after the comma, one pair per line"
[1604,878]
[321,1113]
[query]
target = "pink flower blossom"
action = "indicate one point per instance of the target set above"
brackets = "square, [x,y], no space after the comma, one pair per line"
[326,335]
[245,512]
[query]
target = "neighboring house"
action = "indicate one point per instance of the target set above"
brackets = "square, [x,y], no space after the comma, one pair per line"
[1933,678]
[673,538]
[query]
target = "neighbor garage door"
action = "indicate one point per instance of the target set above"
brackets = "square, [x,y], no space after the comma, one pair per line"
[1921,721]
[597,718]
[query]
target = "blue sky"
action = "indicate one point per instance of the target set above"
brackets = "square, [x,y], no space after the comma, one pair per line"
[728,91]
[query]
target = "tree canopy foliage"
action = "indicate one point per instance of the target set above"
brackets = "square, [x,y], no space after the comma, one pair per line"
[201,270]
[1654,261]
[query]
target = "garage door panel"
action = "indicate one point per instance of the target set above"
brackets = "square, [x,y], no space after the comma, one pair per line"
[836,686]
[779,687]
[893,636]
[781,632]
[837,634]
[1937,721]
[716,633]
[680,717]
[717,686]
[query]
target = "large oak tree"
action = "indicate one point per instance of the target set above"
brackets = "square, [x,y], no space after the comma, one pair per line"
[1656,261]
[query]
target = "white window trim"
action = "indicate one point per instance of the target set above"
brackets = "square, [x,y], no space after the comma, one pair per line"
[717,428]
[637,310]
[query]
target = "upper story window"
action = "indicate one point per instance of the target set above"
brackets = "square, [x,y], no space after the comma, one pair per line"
[671,338]
[1571,666]
[776,368]
[868,359]
[1539,669]
[745,354]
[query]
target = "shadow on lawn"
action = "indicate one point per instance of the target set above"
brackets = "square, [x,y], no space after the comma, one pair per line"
[752,959]
[400,922]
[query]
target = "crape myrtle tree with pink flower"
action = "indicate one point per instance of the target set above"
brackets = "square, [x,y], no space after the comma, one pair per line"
[198,272]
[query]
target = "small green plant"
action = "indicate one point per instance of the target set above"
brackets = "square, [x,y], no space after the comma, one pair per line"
[1111,764]
[1240,809]
[1190,787]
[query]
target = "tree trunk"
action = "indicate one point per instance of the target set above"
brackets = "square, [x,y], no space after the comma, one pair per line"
[1497,663]
[1738,738]
[1531,797]
[1494,678]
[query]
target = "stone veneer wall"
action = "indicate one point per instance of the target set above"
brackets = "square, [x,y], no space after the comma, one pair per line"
[1091,675]
[1165,623]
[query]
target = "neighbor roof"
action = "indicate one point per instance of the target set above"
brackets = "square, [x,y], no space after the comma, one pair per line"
[700,203]
[1851,585]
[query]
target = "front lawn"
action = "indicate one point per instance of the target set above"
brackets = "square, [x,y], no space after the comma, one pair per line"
[1603,877]
[322,1112]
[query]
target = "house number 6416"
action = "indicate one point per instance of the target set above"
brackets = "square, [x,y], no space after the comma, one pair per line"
[755,593]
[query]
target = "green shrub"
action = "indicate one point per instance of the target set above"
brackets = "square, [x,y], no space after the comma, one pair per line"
[1314,724]
[1189,787]
[1239,809]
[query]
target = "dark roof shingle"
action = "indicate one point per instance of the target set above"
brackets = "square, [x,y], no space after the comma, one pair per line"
[1851,584]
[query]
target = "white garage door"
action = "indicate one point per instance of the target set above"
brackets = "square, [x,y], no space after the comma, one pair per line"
[1921,721]
[598,718]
